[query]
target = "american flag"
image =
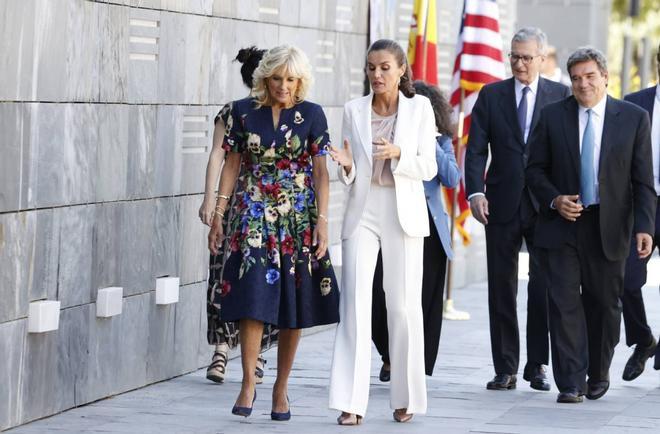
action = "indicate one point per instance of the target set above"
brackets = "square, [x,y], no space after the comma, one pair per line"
[478,62]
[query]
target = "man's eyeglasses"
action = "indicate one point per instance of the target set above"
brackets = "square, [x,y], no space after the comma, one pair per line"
[525,59]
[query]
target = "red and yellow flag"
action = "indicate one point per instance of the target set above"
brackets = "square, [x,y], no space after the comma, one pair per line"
[423,41]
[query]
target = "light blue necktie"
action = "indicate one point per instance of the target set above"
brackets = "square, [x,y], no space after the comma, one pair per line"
[587,175]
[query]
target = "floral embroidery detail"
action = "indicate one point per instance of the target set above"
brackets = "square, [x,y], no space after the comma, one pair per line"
[254,143]
[272,276]
[284,128]
[226,288]
[326,286]
[297,118]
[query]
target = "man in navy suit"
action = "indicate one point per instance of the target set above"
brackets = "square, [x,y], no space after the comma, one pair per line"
[503,118]
[638,332]
[590,168]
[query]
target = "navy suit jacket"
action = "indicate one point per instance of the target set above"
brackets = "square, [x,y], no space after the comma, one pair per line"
[625,177]
[495,122]
[448,176]
[644,98]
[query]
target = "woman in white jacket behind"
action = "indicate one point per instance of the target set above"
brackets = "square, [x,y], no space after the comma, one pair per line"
[389,149]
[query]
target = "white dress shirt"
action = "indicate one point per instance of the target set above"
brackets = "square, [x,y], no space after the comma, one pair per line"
[597,120]
[655,139]
[531,101]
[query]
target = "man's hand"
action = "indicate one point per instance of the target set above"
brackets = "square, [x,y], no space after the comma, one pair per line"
[644,245]
[479,208]
[568,207]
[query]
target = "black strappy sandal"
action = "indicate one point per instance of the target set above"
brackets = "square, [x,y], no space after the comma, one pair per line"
[216,370]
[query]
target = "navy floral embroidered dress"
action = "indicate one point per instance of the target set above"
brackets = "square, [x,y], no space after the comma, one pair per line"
[271,273]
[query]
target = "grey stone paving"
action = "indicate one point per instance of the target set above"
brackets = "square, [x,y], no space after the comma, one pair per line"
[458,400]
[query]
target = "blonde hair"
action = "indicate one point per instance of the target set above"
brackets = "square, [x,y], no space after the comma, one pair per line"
[293,60]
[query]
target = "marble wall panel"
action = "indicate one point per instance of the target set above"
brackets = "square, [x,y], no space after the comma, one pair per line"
[196,126]
[17,251]
[352,54]
[106,246]
[15,132]
[102,359]
[192,302]
[340,15]
[160,343]
[245,10]
[141,148]
[171,58]
[134,349]
[166,156]
[49,78]
[112,155]
[143,68]
[194,253]
[16,45]
[63,167]
[289,12]
[114,28]
[135,234]
[43,391]
[197,65]
[201,7]
[229,36]
[46,257]
[83,51]
[73,354]
[165,237]
[74,282]
[12,338]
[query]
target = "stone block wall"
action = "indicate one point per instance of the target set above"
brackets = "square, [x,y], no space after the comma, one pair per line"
[106,112]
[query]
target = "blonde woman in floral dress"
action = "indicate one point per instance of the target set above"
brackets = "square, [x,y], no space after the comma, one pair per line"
[277,269]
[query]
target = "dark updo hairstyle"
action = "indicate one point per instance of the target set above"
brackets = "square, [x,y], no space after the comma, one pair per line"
[405,86]
[441,108]
[250,58]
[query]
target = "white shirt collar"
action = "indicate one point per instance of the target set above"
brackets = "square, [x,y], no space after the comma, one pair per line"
[598,109]
[533,86]
[657,92]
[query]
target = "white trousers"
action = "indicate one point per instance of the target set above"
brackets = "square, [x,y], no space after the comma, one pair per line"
[402,281]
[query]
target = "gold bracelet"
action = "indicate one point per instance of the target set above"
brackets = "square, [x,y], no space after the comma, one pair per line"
[221,214]
[321,216]
[222,196]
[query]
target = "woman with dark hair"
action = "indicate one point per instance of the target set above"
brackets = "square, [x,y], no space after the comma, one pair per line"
[389,149]
[221,334]
[437,246]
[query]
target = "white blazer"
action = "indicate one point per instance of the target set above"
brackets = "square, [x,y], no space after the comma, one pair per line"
[415,135]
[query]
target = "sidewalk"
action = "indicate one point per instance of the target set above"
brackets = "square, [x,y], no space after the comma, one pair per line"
[458,399]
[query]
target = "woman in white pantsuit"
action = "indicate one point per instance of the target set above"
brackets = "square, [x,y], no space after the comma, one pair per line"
[389,149]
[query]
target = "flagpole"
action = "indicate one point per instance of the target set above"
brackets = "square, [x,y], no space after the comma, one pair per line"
[424,41]
[449,312]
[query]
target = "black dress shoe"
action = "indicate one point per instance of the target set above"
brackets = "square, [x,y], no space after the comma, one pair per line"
[635,365]
[570,396]
[597,389]
[384,375]
[536,375]
[656,362]
[502,382]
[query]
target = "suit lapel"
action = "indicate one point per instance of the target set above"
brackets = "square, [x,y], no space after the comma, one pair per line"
[542,95]
[509,108]
[364,127]
[610,127]
[650,102]
[572,132]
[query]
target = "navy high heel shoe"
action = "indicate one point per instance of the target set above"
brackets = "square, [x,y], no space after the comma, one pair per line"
[244,411]
[282,417]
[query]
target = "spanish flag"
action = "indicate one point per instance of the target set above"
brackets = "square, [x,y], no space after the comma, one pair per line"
[423,41]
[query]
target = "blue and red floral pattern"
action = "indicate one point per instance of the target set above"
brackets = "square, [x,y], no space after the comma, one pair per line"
[271,273]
